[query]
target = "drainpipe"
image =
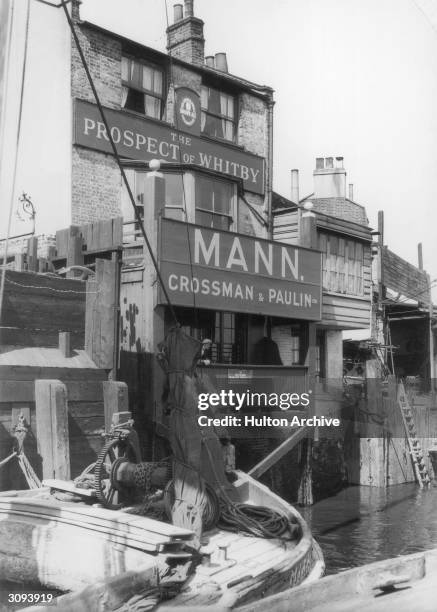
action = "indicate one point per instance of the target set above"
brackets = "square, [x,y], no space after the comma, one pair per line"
[269,168]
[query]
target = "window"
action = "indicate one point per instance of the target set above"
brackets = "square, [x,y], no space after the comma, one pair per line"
[214,202]
[226,330]
[342,264]
[142,88]
[174,196]
[218,113]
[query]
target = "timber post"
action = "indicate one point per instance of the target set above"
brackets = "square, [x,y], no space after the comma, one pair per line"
[101,314]
[52,428]
[65,344]
[154,200]
[308,238]
[74,250]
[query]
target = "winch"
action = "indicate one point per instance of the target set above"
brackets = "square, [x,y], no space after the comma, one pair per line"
[120,476]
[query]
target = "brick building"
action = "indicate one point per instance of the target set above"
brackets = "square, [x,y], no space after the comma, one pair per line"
[234,120]
[207,212]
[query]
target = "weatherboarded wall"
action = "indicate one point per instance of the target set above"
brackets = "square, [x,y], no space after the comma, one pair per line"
[38,306]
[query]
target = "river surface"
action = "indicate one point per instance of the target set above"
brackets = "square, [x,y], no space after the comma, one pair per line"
[360,525]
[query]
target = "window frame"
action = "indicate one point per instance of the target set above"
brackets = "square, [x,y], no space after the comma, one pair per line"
[341,273]
[161,97]
[221,116]
[189,178]
[233,216]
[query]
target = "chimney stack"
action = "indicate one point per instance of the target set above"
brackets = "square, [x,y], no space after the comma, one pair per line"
[351,191]
[329,181]
[185,38]
[295,186]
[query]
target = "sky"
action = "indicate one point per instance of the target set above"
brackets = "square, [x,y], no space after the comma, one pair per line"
[352,78]
[4,8]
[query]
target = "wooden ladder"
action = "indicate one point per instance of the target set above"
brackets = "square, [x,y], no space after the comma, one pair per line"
[416,452]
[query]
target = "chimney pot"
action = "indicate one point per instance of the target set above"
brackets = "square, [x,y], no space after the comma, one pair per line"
[178,12]
[351,191]
[209,61]
[189,8]
[339,162]
[329,162]
[221,63]
[320,163]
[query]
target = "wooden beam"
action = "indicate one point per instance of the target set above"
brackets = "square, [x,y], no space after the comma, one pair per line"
[277,454]
[52,428]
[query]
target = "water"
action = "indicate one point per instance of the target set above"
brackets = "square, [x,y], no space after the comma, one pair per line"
[360,525]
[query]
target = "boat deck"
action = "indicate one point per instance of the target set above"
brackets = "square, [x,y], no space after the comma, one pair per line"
[248,560]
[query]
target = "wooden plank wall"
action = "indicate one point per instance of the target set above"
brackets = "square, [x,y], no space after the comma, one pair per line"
[101,319]
[99,236]
[38,306]
[85,416]
[379,455]
[340,310]
[403,277]
[286,226]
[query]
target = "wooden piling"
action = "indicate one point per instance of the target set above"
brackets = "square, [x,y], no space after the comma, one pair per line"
[305,493]
[52,428]
[101,314]
[64,344]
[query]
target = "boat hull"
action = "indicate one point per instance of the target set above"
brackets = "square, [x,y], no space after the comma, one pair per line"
[63,547]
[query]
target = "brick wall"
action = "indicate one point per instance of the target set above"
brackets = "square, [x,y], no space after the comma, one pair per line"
[96,183]
[103,55]
[96,186]
[96,190]
[186,41]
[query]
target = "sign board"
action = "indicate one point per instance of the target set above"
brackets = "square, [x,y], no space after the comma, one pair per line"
[145,139]
[221,270]
[187,109]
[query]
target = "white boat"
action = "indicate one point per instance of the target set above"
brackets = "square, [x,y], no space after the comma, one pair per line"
[97,554]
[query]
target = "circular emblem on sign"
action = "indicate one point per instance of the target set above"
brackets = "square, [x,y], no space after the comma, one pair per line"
[187,110]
